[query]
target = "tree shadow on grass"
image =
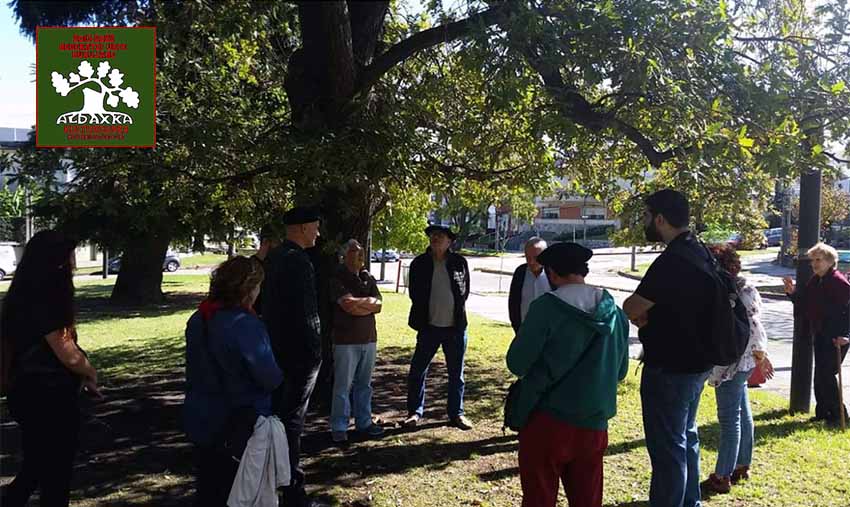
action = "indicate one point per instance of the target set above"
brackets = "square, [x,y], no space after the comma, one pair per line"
[131,443]
[94,305]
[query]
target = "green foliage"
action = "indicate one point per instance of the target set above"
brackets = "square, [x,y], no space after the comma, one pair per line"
[401,224]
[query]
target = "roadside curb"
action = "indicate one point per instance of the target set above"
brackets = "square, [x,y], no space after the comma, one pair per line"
[763,294]
[630,276]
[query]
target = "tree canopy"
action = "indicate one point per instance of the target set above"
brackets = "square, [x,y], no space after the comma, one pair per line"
[340,102]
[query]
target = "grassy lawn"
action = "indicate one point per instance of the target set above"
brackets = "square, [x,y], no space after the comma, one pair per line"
[134,453]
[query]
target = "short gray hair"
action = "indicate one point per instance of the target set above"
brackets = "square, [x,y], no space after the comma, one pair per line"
[534,240]
[348,245]
[826,251]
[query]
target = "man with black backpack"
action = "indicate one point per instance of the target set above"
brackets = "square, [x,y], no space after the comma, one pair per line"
[684,310]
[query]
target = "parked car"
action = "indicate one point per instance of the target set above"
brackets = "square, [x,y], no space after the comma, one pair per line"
[773,237]
[389,256]
[171,263]
[8,261]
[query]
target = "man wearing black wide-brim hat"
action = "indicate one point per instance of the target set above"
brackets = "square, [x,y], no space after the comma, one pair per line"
[290,311]
[439,286]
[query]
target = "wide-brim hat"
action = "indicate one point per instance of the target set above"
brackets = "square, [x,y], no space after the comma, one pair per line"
[301,215]
[440,228]
[565,257]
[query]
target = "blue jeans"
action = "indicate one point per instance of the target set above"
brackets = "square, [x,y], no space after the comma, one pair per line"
[670,402]
[736,424]
[353,365]
[428,340]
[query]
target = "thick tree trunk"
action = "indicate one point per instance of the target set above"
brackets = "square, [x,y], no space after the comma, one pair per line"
[140,279]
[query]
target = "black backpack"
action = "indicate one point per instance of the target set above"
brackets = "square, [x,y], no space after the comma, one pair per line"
[724,339]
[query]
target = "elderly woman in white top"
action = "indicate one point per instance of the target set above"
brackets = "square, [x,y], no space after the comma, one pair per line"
[735,452]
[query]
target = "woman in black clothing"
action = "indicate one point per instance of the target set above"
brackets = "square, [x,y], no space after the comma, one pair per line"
[44,369]
[824,301]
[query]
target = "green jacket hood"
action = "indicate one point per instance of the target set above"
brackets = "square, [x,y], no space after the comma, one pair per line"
[592,306]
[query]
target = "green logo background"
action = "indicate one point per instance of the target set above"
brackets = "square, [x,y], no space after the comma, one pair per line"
[136,63]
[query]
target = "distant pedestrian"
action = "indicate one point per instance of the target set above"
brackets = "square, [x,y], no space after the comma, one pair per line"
[439,287]
[672,306]
[290,310]
[570,353]
[735,453]
[269,240]
[528,283]
[356,299]
[44,369]
[824,302]
[231,373]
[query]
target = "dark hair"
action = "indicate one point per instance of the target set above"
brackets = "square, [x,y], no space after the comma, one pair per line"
[234,279]
[565,270]
[670,203]
[727,257]
[43,283]
[268,232]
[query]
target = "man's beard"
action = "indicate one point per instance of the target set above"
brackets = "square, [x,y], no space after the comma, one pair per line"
[651,233]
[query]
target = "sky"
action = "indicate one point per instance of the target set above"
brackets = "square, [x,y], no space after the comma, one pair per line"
[17,80]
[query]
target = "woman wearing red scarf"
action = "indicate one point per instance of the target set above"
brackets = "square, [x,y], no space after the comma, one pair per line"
[230,375]
[825,303]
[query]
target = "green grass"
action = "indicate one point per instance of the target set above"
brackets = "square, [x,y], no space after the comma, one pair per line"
[796,463]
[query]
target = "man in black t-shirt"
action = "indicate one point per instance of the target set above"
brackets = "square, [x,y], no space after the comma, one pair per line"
[671,306]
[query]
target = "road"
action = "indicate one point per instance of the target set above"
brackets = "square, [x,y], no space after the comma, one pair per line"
[489,299]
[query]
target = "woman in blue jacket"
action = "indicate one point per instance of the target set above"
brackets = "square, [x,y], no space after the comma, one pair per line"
[230,375]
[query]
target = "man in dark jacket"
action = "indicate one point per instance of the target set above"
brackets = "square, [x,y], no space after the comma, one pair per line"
[439,286]
[290,311]
[269,240]
[528,283]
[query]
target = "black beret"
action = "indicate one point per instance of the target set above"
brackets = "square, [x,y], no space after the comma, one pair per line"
[301,215]
[440,228]
[565,257]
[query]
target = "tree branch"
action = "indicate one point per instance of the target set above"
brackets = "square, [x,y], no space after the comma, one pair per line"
[835,158]
[424,40]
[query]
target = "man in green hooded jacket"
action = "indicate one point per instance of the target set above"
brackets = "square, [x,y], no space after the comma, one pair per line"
[570,353]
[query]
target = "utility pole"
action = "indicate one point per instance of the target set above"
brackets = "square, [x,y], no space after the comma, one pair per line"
[28,225]
[807,236]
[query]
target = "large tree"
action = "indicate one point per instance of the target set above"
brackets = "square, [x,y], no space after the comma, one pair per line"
[678,90]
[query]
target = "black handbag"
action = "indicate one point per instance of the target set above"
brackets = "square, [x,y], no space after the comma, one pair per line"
[233,438]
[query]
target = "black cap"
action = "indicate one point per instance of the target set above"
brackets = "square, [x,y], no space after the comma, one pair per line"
[440,228]
[566,258]
[301,215]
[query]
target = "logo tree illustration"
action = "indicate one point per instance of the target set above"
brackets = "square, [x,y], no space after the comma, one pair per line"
[93,110]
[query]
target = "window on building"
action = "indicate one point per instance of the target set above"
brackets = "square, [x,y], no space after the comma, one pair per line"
[593,213]
[550,213]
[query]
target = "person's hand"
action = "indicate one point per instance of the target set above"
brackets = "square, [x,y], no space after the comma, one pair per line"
[641,320]
[789,285]
[766,368]
[90,386]
[840,341]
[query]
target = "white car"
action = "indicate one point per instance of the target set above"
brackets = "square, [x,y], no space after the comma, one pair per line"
[8,261]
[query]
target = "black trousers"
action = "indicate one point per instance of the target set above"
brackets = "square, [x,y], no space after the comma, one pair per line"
[291,400]
[50,436]
[826,384]
[216,470]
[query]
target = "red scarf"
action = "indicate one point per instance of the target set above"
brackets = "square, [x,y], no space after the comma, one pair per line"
[208,308]
[831,290]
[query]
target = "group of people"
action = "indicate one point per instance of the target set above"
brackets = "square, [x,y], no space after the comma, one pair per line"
[254,347]
[254,351]
[571,350]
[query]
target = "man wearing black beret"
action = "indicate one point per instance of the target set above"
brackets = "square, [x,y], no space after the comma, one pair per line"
[570,352]
[439,286]
[290,311]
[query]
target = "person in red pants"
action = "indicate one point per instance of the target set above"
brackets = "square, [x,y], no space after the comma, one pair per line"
[570,352]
